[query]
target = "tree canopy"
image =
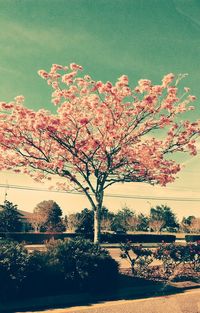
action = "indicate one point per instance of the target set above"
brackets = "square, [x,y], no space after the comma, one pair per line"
[102,133]
[47,216]
[10,218]
[164,214]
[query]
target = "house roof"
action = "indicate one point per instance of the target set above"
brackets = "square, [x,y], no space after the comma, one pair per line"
[24,214]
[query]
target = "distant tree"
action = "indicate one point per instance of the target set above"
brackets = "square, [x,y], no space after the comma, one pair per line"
[186,222]
[164,213]
[85,221]
[10,218]
[120,222]
[72,222]
[143,224]
[65,221]
[50,215]
[54,221]
[195,225]
[156,225]
[107,218]
[82,222]
[106,224]
[37,220]
[133,222]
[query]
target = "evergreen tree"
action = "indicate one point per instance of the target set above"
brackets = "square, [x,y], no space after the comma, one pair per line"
[121,219]
[85,221]
[52,216]
[143,222]
[10,218]
[164,213]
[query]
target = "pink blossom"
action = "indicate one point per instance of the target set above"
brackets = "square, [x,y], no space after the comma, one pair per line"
[191,98]
[87,77]
[6,106]
[186,89]
[84,121]
[167,79]
[75,67]
[43,74]
[19,99]
[144,85]
[97,132]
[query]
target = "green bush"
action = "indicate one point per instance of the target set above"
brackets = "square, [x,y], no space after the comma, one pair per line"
[40,238]
[85,265]
[136,238]
[14,260]
[192,238]
[173,255]
[67,266]
[35,238]
[139,258]
[176,260]
[44,277]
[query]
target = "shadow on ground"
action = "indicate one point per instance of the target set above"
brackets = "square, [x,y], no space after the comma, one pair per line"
[129,288]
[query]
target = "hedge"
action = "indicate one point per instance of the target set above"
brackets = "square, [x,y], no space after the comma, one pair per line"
[192,238]
[40,238]
[36,238]
[136,238]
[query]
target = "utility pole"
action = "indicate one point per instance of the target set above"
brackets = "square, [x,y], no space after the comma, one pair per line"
[6,191]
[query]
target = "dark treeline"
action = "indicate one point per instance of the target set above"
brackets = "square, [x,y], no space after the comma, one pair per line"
[160,218]
[47,216]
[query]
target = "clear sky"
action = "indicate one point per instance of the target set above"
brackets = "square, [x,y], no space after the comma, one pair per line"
[140,38]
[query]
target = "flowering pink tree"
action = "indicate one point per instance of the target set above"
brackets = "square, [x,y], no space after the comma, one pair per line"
[102,134]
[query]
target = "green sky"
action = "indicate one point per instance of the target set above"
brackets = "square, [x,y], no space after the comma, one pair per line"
[140,38]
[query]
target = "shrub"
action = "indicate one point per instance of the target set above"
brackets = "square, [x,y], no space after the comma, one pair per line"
[14,261]
[66,266]
[136,238]
[192,238]
[139,257]
[84,264]
[173,255]
[176,260]
[44,277]
[35,238]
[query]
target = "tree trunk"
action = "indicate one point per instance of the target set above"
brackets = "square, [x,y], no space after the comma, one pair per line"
[97,225]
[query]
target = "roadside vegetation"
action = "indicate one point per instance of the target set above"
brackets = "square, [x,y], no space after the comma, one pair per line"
[66,267]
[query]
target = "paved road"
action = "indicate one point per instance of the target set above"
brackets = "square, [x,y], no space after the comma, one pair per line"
[188,302]
[114,252]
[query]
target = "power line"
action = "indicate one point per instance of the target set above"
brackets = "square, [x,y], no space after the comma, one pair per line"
[138,197]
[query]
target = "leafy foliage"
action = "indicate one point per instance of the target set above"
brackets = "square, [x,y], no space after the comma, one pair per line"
[121,220]
[165,214]
[143,224]
[85,221]
[83,263]
[14,260]
[138,257]
[176,261]
[66,266]
[10,218]
[173,255]
[48,214]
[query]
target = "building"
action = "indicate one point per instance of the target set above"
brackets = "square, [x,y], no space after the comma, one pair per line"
[25,218]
